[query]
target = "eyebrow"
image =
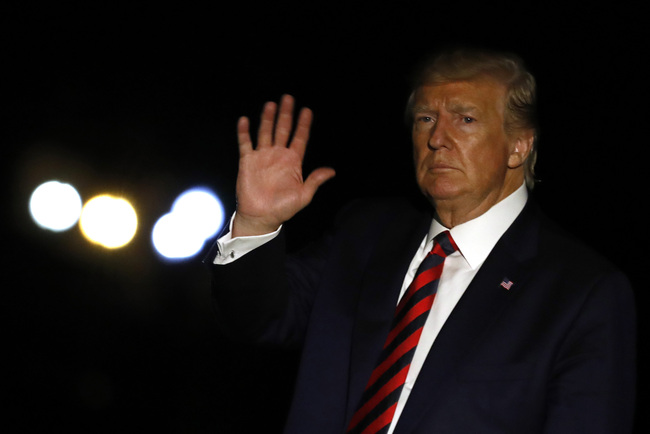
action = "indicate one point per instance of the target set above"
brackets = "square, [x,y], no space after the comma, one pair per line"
[464,108]
[454,107]
[422,109]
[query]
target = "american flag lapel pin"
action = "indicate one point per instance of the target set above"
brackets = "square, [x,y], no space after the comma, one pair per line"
[507,283]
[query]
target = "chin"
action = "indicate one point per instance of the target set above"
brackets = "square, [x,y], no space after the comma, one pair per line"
[440,191]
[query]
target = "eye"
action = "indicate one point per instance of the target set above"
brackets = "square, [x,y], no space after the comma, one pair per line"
[425,119]
[468,120]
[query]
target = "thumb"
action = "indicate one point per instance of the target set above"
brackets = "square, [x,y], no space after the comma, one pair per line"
[315,179]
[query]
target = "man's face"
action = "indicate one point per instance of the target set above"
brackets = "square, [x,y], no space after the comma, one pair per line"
[461,149]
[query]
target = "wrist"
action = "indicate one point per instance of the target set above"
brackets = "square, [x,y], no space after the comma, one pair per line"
[245,226]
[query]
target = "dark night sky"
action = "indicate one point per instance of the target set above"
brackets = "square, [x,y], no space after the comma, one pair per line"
[143,100]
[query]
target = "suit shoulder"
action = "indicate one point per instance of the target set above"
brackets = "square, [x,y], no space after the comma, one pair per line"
[568,252]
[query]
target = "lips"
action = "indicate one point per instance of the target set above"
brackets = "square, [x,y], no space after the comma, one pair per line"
[440,167]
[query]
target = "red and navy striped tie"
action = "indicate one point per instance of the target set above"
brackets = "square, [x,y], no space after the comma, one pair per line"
[380,397]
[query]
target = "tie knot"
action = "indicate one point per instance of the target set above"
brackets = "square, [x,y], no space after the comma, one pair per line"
[445,242]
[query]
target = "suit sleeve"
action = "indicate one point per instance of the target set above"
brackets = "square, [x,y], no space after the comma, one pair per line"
[592,386]
[265,296]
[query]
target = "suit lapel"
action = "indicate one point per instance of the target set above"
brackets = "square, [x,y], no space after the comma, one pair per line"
[481,304]
[378,296]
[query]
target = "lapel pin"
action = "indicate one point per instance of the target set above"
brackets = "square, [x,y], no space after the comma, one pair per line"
[506,283]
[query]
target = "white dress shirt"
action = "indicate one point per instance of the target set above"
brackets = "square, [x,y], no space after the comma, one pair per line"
[230,249]
[475,240]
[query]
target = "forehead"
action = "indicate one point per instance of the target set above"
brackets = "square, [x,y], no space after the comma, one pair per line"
[484,95]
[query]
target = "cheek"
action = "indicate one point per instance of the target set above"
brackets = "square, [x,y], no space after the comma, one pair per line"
[489,163]
[420,151]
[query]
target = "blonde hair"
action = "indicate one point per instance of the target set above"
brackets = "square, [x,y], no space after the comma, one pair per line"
[463,64]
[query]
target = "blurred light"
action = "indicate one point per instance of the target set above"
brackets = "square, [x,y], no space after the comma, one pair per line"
[196,216]
[174,238]
[108,221]
[55,206]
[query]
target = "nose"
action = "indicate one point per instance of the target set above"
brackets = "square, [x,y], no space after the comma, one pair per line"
[438,135]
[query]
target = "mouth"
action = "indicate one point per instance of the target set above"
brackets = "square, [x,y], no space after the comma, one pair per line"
[440,167]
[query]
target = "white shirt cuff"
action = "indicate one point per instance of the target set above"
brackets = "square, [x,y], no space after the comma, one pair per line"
[231,249]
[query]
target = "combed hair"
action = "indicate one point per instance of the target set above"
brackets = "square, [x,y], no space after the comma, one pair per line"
[464,64]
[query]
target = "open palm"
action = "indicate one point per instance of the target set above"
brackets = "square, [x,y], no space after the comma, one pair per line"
[270,184]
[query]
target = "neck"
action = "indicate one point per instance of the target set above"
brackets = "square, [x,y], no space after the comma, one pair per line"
[451,213]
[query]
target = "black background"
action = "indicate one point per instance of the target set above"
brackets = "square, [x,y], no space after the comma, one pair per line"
[142,99]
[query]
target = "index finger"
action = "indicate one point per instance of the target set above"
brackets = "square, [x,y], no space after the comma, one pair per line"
[243,136]
[301,134]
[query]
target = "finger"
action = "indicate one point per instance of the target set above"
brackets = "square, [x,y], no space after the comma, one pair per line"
[315,179]
[285,121]
[265,133]
[301,136]
[243,136]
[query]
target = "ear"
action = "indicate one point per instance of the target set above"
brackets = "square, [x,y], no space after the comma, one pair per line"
[521,147]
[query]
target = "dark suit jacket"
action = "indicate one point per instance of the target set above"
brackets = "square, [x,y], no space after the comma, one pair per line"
[553,354]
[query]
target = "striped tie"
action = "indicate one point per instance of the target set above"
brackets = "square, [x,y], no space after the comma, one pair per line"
[380,397]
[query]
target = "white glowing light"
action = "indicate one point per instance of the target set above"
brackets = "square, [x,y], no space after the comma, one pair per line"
[108,221]
[55,206]
[196,216]
[173,238]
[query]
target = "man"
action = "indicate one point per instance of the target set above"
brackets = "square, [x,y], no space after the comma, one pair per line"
[528,331]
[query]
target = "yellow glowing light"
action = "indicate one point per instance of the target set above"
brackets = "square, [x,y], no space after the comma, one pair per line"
[108,221]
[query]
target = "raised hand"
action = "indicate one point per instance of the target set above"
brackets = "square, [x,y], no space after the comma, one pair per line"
[270,185]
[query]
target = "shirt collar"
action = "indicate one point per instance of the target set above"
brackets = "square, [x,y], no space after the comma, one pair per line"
[476,238]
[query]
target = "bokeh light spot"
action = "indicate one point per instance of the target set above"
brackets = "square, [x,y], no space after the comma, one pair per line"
[55,206]
[108,221]
[196,216]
